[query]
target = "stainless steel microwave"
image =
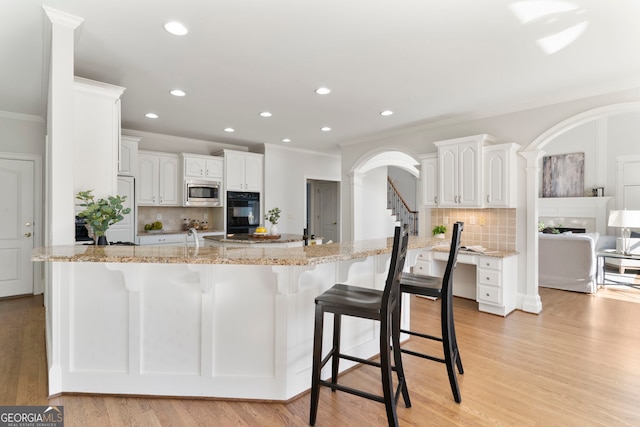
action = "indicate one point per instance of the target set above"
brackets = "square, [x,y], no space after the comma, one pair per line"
[202,193]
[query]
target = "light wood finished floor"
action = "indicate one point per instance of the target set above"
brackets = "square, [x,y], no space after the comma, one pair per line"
[575,364]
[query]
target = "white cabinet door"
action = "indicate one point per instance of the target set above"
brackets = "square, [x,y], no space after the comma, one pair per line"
[169,194]
[243,171]
[429,176]
[148,184]
[214,168]
[124,231]
[460,171]
[159,179]
[253,173]
[128,155]
[469,174]
[500,176]
[194,167]
[234,169]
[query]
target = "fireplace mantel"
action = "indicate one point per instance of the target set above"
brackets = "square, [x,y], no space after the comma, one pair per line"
[576,207]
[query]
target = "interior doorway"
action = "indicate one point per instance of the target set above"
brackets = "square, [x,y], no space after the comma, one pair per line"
[323,209]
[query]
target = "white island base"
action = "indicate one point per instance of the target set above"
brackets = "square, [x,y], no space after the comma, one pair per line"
[198,330]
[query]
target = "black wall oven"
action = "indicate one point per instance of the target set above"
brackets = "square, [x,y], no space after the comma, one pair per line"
[243,212]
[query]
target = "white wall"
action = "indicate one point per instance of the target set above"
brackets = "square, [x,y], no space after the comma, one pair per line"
[286,172]
[407,185]
[22,134]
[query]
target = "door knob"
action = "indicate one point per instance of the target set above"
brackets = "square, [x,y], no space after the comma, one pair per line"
[27,234]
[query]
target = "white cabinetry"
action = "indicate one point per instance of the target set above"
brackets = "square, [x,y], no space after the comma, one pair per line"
[460,171]
[496,278]
[158,178]
[207,167]
[124,231]
[429,175]
[493,283]
[128,160]
[163,239]
[96,132]
[243,171]
[500,176]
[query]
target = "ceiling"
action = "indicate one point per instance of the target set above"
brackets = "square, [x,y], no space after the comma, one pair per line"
[426,60]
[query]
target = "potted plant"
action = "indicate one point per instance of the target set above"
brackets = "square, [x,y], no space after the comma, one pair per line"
[273,216]
[102,213]
[438,231]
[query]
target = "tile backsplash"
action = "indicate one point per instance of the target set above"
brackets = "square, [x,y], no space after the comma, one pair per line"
[493,228]
[172,217]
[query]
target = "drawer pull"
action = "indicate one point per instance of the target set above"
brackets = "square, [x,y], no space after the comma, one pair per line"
[487,294]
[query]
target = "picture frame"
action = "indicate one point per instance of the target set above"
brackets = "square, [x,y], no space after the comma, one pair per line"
[563,175]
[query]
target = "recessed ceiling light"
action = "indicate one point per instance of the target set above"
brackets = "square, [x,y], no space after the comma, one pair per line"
[229,130]
[265,114]
[178,92]
[286,140]
[323,91]
[151,116]
[386,113]
[325,129]
[176,28]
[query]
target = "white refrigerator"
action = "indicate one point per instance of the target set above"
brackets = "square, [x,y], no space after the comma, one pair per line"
[125,230]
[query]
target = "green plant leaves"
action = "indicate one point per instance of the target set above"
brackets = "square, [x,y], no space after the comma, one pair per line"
[102,213]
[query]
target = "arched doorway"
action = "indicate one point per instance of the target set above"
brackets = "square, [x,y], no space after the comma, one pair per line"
[368,186]
[533,154]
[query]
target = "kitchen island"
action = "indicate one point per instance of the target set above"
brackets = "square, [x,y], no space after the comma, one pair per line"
[200,322]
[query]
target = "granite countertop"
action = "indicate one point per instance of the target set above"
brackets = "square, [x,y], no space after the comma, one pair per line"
[249,238]
[305,255]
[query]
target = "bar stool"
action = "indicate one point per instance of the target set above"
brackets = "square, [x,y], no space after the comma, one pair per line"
[383,306]
[441,288]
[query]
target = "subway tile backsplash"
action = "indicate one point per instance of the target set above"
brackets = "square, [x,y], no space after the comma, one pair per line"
[498,231]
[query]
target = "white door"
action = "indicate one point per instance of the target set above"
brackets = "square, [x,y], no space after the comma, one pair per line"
[16,227]
[327,208]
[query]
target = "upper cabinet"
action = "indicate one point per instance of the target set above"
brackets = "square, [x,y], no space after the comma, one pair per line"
[243,171]
[158,179]
[500,176]
[470,172]
[460,171]
[128,156]
[206,167]
[429,175]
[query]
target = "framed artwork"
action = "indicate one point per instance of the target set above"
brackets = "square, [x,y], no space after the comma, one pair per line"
[563,175]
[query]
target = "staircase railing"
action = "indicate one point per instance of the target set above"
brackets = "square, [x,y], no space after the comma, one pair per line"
[400,208]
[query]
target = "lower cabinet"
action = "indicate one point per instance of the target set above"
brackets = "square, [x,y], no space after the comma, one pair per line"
[163,239]
[495,279]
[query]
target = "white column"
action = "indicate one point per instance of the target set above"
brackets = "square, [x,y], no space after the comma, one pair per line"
[60,197]
[531,299]
[356,206]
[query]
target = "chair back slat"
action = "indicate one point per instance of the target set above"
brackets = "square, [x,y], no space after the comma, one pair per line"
[447,279]
[391,294]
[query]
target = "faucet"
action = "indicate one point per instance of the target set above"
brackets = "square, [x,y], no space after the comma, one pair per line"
[194,233]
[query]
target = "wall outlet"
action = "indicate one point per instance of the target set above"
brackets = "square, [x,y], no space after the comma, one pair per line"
[446,220]
[472,220]
[481,221]
[206,216]
[159,217]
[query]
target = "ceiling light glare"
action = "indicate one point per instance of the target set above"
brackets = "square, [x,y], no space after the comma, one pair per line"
[151,116]
[555,42]
[229,130]
[176,28]
[178,92]
[325,129]
[265,114]
[286,140]
[386,113]
[323,91]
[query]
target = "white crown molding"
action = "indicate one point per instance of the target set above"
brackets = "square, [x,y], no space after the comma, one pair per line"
[98,88]
[18,116]
[302,150]
[62,18]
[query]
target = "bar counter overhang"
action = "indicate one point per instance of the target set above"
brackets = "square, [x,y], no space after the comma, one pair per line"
[201,322]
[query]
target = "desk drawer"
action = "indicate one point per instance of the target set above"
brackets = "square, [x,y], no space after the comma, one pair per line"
[490,262]
[489,294]
[422,267]
[425,255]
[489,277]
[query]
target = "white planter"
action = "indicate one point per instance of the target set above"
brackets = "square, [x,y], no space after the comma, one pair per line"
[274,230]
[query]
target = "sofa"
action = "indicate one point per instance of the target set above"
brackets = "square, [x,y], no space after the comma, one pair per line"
[568,261]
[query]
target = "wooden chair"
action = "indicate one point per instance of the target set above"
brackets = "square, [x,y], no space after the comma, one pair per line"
[383,306]
[431,286]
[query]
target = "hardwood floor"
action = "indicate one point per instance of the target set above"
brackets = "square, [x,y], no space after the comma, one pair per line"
[575,364]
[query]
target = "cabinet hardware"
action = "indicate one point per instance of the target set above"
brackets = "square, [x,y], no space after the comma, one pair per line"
[27,234]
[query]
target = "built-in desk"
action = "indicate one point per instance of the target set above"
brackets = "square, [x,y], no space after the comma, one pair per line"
[490,278]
